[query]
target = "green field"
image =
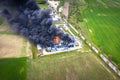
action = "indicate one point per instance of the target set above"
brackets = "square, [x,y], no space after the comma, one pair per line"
[73,65]
[13,69]
[69,66]
[101,26]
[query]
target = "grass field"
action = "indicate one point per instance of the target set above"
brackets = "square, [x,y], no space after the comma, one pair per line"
[73,65]
[101,25]
[13,69]
[69,66]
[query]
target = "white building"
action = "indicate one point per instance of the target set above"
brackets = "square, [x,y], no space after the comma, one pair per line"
[53,4]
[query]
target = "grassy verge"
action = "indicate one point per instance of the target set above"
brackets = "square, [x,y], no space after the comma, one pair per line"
[23,50]
[7,32]
[73,31]
[34,51]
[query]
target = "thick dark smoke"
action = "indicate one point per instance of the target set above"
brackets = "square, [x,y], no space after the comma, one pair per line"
[35,24]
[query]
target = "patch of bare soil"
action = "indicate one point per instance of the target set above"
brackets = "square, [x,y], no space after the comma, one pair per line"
[10,45]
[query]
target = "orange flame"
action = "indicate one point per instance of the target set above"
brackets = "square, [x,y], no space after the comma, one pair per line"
[56,39]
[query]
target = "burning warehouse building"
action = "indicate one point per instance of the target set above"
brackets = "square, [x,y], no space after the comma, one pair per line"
[36,25]
[59,45]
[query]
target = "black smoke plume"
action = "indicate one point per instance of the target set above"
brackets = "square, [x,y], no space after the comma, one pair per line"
[35,24]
